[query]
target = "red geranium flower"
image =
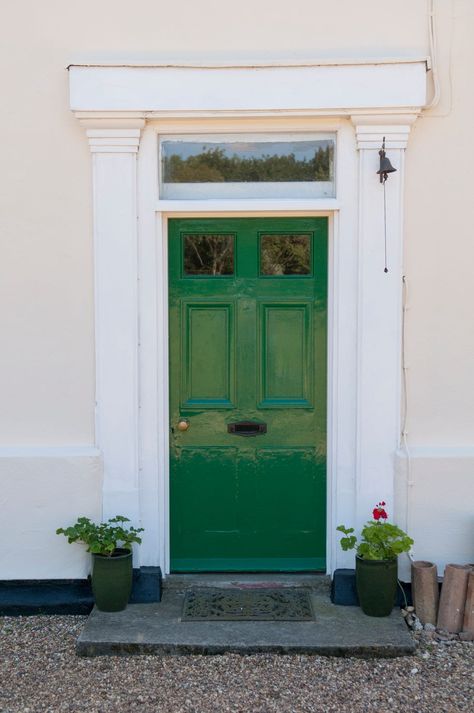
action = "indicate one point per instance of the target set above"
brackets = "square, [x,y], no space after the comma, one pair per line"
[380,512]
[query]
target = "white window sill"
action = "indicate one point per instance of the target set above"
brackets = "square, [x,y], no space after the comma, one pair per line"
[248,205]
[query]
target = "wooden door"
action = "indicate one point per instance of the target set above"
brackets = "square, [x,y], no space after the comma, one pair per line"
[248,322]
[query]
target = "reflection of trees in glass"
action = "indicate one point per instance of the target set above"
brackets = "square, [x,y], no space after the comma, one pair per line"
[208,254]
[285,255]
[214,166]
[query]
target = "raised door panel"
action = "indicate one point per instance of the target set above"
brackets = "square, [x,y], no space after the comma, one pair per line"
[285,355]
[208,355]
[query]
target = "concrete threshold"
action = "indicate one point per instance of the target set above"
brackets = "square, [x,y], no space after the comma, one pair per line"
[233,580]
[157,628]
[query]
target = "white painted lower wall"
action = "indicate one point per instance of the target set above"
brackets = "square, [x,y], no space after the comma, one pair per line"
[434,502]
[46,488]
[43,489]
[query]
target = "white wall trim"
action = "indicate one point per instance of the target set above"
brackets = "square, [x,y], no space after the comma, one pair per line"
[254,63]
[113,140]
[247,205]
[114,153]
[49,452]
[370,129]
[131,263]
[162,359]
[379,304]
[340,88]
[436,452]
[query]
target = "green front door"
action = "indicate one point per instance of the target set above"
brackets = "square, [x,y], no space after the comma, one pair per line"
[248,303]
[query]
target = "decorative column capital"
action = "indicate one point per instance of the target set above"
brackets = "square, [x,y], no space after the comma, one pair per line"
[370,130]
[113,135]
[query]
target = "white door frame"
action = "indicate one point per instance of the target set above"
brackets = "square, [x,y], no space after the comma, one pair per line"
[123,110]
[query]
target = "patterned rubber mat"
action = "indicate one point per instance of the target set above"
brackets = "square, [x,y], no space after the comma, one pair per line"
[247,605]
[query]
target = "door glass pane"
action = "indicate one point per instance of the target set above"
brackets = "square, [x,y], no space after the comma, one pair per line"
[247,166]
[208,254]
[285,255]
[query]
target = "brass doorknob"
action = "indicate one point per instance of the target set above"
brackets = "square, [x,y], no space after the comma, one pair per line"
[183,425]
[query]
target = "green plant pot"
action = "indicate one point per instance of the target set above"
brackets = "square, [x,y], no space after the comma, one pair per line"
[112,580]
[376,582]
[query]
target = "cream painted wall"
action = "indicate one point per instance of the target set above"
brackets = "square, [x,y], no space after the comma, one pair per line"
[47,379]
[439,247]
[46,266]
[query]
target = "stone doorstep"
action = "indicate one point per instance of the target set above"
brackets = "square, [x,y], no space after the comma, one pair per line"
[157,629]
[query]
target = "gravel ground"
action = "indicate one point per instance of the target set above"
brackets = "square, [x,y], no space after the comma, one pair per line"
[40,672]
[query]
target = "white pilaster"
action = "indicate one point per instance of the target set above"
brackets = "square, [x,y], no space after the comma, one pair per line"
[379,307]
[114,146]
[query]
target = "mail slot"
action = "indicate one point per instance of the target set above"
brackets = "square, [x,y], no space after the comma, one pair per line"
[246,428]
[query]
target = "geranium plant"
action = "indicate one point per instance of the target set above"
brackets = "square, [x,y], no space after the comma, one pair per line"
[380,540]
[105,538]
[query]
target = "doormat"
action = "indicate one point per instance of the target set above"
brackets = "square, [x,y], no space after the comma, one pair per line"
[247,605]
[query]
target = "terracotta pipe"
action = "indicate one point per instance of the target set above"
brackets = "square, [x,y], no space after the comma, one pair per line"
[468,624]
[453,597]
[424,582]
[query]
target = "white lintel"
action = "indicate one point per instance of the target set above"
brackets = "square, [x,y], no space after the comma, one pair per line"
[341,88]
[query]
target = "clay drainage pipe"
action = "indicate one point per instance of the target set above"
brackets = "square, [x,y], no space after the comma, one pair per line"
[453,597]
[468,624]
[424,581]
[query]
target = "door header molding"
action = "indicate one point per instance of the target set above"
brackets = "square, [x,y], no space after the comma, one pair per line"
[336,89]
[364,102]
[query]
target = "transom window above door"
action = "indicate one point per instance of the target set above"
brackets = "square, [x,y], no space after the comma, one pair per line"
[247,166]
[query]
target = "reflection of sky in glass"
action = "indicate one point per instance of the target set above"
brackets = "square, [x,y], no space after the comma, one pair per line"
[247,149]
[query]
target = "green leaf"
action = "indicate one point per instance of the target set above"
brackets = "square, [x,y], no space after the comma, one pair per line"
[348,543]
[345,530]
[103,538]
[379,540]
